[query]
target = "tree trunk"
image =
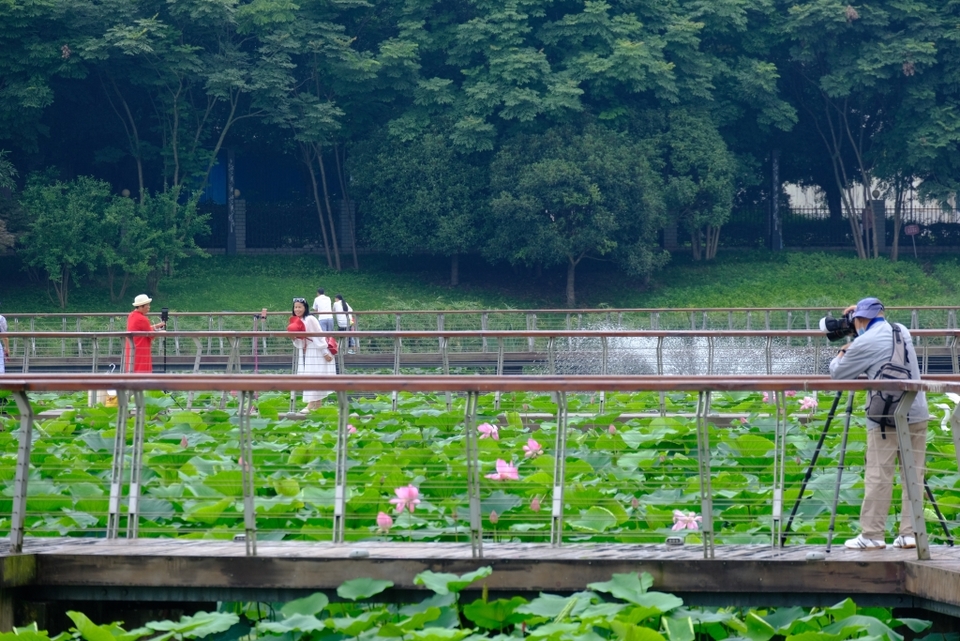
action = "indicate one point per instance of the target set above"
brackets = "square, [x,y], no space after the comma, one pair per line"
[326,198]
[571,275]
[695,243]
[454,270]
[834,202]
[713,239]
[346,198]
[308,159]
[898,192]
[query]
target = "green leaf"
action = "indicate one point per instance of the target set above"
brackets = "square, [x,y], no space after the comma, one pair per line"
[444,582]
[629,587]
[631,632]
[494,615]
[856,624]
[313,604]
[596,519]
[679,629]
[296,622]
[356,589]
[757,628]
[199,625]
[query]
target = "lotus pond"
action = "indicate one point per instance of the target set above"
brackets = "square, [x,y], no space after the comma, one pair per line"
[624,607]
[631,470]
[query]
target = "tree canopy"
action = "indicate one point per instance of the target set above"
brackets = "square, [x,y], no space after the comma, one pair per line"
[534,132]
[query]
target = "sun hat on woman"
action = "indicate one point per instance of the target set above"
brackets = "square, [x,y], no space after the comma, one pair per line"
[141,299]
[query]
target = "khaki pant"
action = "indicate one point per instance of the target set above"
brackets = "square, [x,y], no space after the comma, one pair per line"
[878,479]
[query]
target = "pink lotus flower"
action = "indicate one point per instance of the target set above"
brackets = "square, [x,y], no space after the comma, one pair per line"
[790,392]
[532,449]
[743,420]
[184,443]
[634,502]
[488,431]
[766,397]
[535,504]
[612,429]
[352,430]
[505,472]
[494,517]
[808,403]
[384,522]
[686,521]
[407,497]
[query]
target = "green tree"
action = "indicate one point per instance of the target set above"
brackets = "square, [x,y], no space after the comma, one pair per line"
[420,195]
[64,233]
[564,195]
[698,178]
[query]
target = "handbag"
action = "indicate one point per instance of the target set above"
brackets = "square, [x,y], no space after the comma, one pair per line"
[332,345]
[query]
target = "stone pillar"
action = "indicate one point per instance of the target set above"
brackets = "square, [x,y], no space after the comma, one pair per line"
[880,220]
[670,237]
[240,223]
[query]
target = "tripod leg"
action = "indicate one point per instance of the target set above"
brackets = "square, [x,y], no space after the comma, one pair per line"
[843,456]
[809,472]
[936,508]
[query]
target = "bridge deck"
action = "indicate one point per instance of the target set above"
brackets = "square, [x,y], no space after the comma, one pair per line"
[205,570]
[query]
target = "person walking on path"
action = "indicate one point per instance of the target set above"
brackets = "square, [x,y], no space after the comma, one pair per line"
[323,308]
[866,355]
[141,361]
[345,320]
[313,356]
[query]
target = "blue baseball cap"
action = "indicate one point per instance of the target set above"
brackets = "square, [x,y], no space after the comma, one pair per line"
[868,308]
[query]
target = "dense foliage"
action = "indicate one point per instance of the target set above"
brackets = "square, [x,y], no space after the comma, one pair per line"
[427,104]
[628,470]
[625,607]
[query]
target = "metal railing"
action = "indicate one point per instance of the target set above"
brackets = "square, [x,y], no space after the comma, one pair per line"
[703,318]
[663,352]
[254,481]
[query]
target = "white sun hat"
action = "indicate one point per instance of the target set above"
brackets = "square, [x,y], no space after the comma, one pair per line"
[141,299]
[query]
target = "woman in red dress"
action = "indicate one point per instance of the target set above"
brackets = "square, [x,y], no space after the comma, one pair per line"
[141,360]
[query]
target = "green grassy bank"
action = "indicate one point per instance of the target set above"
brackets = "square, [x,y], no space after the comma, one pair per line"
[751,278]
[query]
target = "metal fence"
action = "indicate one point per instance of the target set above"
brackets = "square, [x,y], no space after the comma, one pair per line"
[331,479]
[813,227]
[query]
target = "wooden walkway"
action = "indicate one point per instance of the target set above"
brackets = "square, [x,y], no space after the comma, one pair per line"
[205,570]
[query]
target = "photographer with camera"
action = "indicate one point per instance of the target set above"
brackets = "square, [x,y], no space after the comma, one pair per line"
[141,361]
[874,346]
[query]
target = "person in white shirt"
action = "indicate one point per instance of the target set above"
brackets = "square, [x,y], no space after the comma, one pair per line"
[345,321]
[323,307]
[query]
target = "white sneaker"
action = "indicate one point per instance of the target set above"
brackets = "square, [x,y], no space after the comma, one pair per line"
[905,542]
[863,543]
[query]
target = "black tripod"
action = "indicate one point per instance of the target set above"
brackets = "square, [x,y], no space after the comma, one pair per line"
[836,493]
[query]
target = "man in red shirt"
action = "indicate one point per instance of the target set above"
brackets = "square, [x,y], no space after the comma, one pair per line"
[137,321]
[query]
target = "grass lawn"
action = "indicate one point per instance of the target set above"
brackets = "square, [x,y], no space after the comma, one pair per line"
[734,279]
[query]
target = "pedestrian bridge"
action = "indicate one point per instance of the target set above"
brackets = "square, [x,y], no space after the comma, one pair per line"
[759,540]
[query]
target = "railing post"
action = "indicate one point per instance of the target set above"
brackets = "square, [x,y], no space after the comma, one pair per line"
[703,456]
[445,362]
[559,471]
[176,338]
[603,369]
[19,512]
[496,396]
[531,326]
[710,351]
[116,472]
[247,477]
[340,480]
[79,339]
[779,465]
[484,323]
[911,474]
[136,466]
[397,347]
[473,475]
[769,355]
[551,356]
